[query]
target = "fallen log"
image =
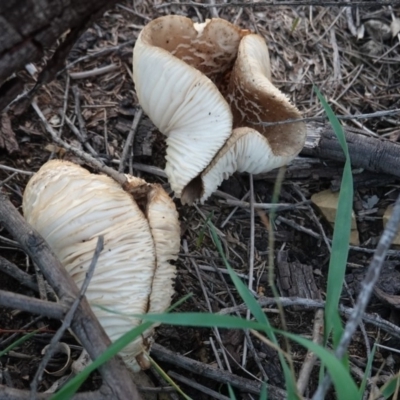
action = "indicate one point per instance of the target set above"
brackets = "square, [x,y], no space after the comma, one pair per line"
[367,152]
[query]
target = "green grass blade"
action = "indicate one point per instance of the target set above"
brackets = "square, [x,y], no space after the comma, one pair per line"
[231,392]
[18,342]
[258,313]
[200,238]
[74,384]
[367,372]
[263,394]
[345,386]
[341,234]
[168,379]
[389,387]
[204,320]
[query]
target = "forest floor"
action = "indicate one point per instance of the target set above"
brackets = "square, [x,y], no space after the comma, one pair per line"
[353,57]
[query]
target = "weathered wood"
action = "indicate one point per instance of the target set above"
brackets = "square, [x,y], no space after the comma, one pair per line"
[295,279]
[29,27]
[371,153]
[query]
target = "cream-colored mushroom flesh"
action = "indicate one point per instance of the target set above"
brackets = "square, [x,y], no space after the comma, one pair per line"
[71,208]
[179,69]
[252,147]
[170,61]
[254,100]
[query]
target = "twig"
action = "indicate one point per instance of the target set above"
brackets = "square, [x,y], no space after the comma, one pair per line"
[234,210]
[375,320]
[99,53]
[323,118]
[67,320]
[193,384]
[367,287]
[120,178]
[22,277]
[80,135]
[205,370]
[23,328]
[129,140]
[393,253]
[81,121]
[93,72]
[32,305]
[20,171]
[265,206]
[311,358]
[65,104]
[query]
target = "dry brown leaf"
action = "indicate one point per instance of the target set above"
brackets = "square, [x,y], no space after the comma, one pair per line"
[8,140]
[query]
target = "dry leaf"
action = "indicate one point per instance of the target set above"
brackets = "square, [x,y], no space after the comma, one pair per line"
[8,140]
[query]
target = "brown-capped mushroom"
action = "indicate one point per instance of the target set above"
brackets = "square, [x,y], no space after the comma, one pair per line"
[70,208]
[199,83]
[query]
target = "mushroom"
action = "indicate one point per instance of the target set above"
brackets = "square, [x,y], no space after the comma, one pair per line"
[70,208]
[208,88]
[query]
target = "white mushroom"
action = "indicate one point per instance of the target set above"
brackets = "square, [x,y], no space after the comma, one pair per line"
[70,208]
[182,71]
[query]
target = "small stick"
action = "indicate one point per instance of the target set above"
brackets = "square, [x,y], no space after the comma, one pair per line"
[129,140]
[311,358]
[78,112]
[22,277]
[93,72]
[67,320]
[193,384]
[65,104]
[243,384]
[32,305]
[19,171]
[375,320]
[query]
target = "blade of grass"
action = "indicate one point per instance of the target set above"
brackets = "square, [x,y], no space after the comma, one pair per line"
[344,384]
[231,392]
[18,342]
[74,384]
[258,313]
[341,234]
[168,379]
[367,371]
[263,394]
[389,387]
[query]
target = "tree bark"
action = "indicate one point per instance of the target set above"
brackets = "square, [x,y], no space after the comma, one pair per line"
[29,27]
[371,153]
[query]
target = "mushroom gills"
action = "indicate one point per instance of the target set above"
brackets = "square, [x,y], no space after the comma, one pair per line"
[70,208]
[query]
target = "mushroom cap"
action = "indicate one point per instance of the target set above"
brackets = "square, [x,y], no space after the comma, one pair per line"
[254,100]
[245,151]
[170,57]
[70,208]
[253,148]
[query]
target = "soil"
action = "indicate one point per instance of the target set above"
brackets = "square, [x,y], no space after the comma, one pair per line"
[309,45]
